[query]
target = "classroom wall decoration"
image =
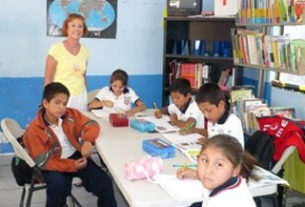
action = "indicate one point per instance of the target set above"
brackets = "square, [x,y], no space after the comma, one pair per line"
[100,16]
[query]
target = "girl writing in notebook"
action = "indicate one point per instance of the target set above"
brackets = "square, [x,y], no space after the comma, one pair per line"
[118,95]
[222,167]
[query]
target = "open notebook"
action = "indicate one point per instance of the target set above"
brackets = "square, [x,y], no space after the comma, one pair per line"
[187,144]
[185,192]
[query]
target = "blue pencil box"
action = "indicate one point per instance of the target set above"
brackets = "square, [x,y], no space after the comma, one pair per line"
[158,147]
[142,125]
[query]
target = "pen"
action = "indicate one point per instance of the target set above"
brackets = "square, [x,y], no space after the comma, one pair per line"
[189,165]
[184,166]
[191,125]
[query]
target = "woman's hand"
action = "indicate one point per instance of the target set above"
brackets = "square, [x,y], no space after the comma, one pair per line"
[86,149]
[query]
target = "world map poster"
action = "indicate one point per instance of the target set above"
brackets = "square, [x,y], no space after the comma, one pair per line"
[100,15]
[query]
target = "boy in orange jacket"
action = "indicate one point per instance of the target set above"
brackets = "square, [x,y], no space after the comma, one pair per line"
[60,141]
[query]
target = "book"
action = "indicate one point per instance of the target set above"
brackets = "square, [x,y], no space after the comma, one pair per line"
[185,192]
[287,112]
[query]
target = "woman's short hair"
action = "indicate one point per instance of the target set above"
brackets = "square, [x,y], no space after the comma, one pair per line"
[69,19]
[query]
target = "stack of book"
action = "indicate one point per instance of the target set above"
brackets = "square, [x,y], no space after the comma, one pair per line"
[270,11]
[279,52]
[247,108]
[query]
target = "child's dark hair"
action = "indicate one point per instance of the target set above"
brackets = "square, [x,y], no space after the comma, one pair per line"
[234,151]
[121,75]
[54,88]
[211,93]
[181,85]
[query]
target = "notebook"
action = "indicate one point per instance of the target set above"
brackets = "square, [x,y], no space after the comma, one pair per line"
[185,192]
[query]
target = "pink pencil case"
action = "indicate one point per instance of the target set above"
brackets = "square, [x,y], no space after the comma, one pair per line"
[143,168]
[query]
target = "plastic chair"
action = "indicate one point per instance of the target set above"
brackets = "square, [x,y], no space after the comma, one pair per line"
[91,95]
[12,130]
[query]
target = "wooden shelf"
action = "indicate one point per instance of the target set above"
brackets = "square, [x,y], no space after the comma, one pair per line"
[201,19]
[270,69]
[268,24]
[203,58]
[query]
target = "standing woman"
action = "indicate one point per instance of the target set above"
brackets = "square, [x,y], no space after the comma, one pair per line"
[67,61]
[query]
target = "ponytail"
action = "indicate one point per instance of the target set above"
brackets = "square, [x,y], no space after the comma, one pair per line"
[247,164]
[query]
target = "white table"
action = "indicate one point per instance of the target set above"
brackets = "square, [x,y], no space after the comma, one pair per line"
[118,145]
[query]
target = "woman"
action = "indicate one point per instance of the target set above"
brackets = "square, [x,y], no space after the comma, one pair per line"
[67,61]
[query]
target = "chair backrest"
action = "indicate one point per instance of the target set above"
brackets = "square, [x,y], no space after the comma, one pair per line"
[12,130]
[278,166]
[91,95]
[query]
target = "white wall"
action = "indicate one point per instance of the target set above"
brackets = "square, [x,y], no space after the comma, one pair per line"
[137,47]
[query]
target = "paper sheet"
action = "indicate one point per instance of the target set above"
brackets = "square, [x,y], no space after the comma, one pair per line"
[185,191]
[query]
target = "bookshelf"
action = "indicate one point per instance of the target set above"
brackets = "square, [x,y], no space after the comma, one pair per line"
[209,29]
[277,55]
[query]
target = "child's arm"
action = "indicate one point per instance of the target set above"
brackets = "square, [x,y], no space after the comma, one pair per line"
[95,104]
[140,106]
[187,173]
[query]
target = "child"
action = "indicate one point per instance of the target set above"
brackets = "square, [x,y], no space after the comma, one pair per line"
[184,110]
[211,101]
[118,95]
[60,141]
[221,162]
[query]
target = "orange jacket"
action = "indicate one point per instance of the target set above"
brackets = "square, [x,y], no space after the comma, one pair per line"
[43,145]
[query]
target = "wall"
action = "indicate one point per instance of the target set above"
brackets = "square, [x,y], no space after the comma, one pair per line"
[24,46]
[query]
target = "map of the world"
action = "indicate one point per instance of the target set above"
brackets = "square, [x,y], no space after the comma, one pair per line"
[100,16]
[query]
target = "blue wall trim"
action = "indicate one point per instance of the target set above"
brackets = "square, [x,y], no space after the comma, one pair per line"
[22,96]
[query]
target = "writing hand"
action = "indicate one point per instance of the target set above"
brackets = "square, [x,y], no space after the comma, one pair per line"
[158,114]
[86,149]
[201,140]
[187,173]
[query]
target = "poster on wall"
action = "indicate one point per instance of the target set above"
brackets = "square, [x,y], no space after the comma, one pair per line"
[100,15]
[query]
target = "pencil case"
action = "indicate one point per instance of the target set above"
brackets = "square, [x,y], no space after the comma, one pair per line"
[142,125]
[118,120]
[143,168]
[158,147]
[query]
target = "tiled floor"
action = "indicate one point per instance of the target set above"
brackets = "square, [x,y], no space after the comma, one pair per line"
[10,194]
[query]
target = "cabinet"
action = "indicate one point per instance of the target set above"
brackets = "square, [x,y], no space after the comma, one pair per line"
[191,29]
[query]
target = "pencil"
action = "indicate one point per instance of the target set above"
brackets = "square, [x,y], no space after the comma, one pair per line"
[191,125]
[185,166]
[155,105]
[189,165]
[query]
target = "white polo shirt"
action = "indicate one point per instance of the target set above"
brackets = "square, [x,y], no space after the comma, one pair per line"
[228,124]
[234,192]
[190,110]
[67,149]
[123,101]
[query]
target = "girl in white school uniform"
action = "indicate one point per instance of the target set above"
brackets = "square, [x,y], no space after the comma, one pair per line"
[223,167]
[118,95]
